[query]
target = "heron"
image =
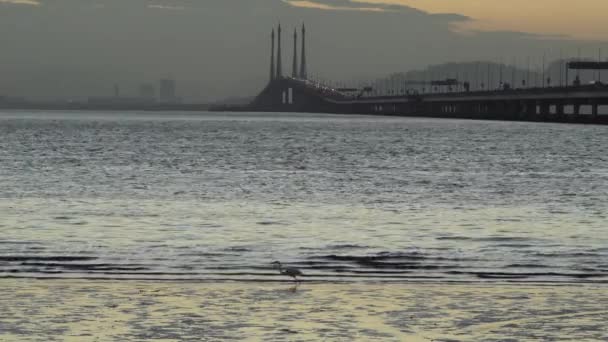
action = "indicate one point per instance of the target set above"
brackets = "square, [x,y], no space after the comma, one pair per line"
[288,271]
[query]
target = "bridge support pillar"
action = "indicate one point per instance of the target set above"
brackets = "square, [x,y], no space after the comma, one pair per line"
[594,109]
[559,110]
[435,109]
[515,109]
[467,109]
[499,110]
[545,109]
[487,107]
[521,110]
[530,110]
[577,109]
[505,110]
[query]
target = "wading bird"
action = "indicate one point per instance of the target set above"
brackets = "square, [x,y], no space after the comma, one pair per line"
[288,271]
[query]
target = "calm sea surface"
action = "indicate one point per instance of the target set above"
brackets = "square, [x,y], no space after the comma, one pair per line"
[220,196]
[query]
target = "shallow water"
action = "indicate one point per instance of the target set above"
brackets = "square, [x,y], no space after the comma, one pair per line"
[220,196]
[87,310]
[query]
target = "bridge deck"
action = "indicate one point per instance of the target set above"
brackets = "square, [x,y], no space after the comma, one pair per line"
[573,103]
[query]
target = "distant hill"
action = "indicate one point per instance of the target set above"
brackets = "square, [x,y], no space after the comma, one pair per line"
[233,101]
[484,75]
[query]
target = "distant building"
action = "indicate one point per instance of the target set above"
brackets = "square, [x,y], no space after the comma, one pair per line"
[167,93]
[147,92]
[116,101]
[12,100]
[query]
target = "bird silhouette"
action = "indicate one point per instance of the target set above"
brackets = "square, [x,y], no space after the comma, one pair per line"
[288,271]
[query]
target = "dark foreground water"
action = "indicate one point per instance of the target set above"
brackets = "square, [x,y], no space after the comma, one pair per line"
[215,196]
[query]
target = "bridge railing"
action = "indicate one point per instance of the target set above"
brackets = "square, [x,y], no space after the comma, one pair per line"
[321,89]
[331,93]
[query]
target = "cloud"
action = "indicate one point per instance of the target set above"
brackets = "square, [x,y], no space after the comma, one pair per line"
[21,2]
[166,7]
[581,19]
[324,6]
[375,6]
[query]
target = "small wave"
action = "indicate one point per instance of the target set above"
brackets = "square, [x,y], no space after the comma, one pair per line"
[211,225]
[206,254]
[455,238]
[269,223]
[558,212]
[79,223]
[397,261]
[372,258]
[599,269]
[567,255]
[20,258]
[507,275]
[513,245]
[504,239]
[13,271]
[600,250]
[526,266]
[347,246]
[320,265]
[238,249]
[72,266]
[335,247]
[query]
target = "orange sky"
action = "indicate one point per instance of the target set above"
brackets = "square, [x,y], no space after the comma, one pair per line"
[584,19]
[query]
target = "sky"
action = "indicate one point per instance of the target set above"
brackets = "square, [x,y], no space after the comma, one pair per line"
[584,19]
[217,49]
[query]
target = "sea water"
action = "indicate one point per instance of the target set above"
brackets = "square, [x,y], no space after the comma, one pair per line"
[219,196]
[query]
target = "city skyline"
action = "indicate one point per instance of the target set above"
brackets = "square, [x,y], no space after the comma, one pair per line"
[68,49]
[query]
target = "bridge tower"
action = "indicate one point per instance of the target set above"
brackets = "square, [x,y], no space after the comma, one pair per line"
[303,71]
[279,74]
[272,69]
[294,71]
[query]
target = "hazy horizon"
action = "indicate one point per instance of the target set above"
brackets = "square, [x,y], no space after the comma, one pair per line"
[217,49]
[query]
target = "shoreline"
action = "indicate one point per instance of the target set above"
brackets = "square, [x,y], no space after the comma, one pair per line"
[97,310]
[409,281]
[194,110]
